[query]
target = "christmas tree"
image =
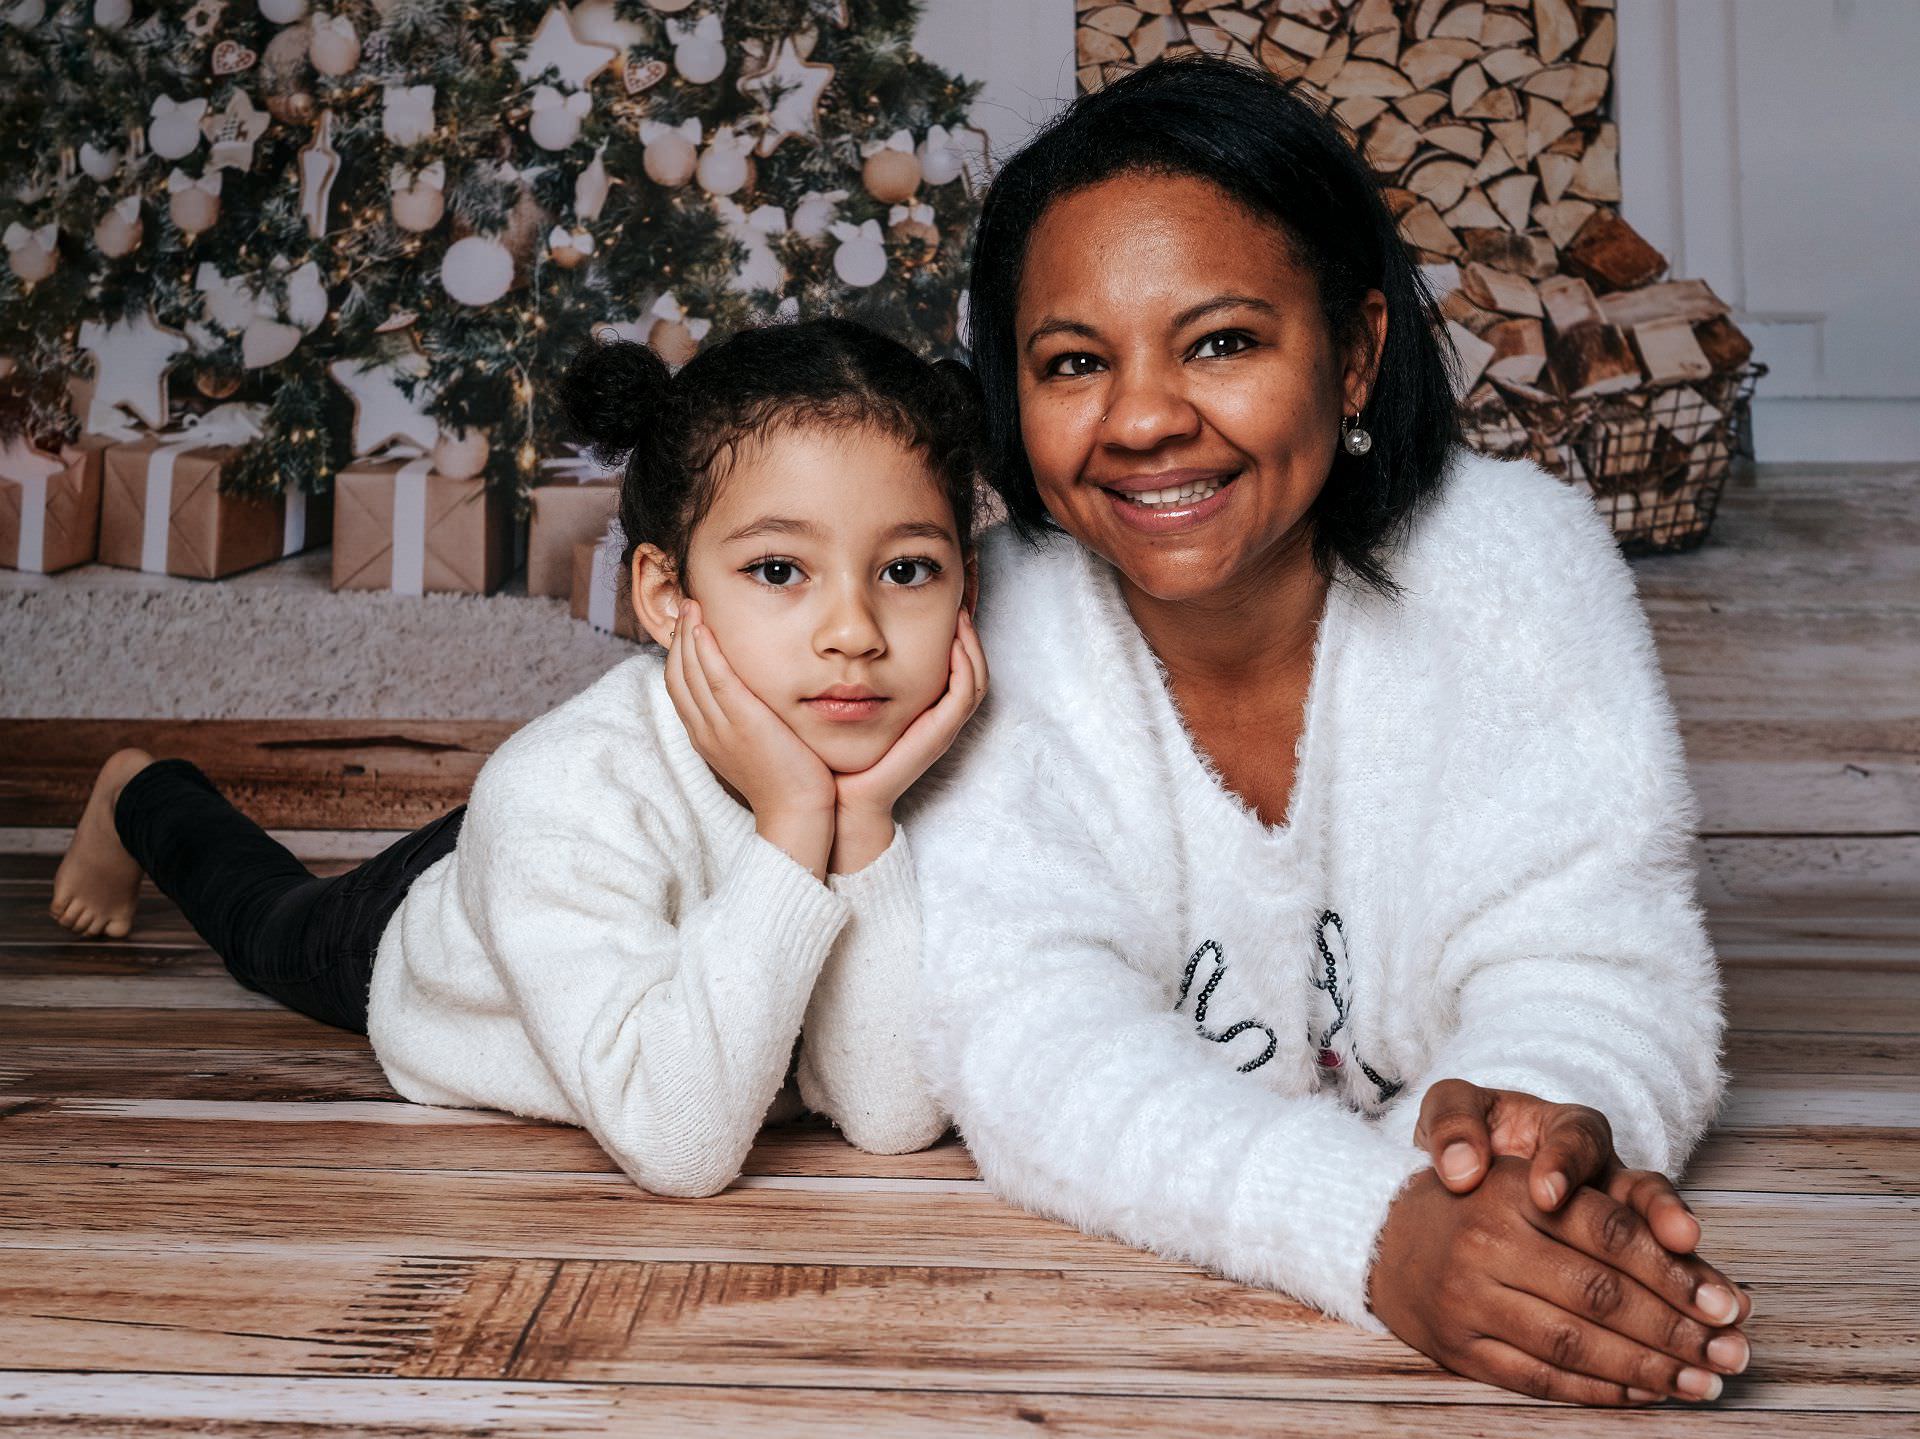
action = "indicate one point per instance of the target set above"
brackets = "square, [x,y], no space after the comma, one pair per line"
[391,223]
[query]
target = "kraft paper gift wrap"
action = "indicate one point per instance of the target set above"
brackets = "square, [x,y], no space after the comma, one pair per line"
[50,505]
[602,590]
[161,510]
[565,515]
[399,526]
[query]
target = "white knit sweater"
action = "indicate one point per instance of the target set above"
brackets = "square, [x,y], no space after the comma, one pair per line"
[613,945]
[1123,966]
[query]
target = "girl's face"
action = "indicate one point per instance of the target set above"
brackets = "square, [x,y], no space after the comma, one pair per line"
[829,570]
[1180,394]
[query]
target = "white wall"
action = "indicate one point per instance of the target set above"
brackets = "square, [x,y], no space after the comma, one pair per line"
[1768,147]
[1022,50]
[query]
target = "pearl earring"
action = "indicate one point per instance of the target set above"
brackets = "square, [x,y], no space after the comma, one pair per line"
[1353,438]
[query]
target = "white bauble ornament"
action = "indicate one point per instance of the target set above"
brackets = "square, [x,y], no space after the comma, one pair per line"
[112,14]
[193,205]
[556,118]
[477,270]
[286,75]
[670,157]
[726,166]
[101,165]
[406,113]
[25,14]
[267,342]
[941,161]
[33,255]
[860,259]
[569,249]
[668,7]
[891,176]
[284,12]
[914,224]
[120,230]
[175,129]
[699,51]
[814,214]
[419,197]
[335,47]
[461,454]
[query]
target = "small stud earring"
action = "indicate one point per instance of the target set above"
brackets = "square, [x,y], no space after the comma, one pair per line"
[1355,440]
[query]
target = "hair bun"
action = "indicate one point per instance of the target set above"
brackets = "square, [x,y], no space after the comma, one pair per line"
[612,394]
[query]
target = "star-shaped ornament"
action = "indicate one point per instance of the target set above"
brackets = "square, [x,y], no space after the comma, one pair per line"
[383,412]
[129,371]
[790,86]
[556,45]
[234,131]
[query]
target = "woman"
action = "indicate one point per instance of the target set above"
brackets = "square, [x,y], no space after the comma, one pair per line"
[1329,818]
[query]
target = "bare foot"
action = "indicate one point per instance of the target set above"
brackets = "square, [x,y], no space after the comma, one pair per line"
[97,884]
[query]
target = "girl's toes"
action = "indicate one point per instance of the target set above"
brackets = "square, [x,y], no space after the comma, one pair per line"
[117,927]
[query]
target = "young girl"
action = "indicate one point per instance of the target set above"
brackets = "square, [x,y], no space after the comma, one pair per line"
[656,889]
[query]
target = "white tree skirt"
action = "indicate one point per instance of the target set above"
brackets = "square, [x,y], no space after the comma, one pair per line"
[98,643]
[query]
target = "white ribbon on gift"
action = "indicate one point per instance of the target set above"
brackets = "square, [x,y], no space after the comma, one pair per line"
[579,467]
[231,424]
[603,581]
[30,469]
[409,536]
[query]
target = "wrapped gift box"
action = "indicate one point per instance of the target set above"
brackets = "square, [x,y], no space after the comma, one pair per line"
[162,510]
[50,505]
[565,515]
[602,590]
[399,526]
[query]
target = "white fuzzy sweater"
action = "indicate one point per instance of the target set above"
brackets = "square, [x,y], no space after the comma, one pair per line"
[613,945]
[1127,989]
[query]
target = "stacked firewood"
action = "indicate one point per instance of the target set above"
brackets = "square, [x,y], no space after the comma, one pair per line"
[1487,122]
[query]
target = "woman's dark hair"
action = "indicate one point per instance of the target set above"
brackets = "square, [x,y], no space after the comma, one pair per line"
[674,434]
[1279,155]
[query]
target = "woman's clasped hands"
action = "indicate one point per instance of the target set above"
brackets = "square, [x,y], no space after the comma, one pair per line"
[829,822]
[1531,1258]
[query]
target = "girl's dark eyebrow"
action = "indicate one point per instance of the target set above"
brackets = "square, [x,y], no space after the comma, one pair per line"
[1056,325]
[780,525]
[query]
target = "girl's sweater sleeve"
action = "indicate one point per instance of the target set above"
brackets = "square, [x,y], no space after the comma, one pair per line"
[668,1028]
[859,1060]
[1573,962]
[1084,1097]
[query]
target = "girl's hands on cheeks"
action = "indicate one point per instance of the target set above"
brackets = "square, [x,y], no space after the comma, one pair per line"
[863,810]
[1582,1304]
[787,786]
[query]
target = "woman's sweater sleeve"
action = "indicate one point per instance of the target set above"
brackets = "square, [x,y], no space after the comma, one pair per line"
[668,1028]
[859,1061]
[1084,1097]
[1573,961]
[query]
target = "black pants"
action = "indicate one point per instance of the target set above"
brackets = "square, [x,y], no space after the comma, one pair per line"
[305,941]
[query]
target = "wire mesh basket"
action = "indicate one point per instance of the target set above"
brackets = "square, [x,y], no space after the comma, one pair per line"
[1655,459]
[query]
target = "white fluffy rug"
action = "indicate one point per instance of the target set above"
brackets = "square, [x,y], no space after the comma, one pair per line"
[103,644]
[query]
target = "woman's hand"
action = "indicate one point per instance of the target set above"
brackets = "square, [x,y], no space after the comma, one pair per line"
[787,786]
[863,821]
[1582,1305]
[1464,1126]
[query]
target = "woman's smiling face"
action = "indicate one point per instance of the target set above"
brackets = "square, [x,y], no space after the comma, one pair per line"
[1180,393]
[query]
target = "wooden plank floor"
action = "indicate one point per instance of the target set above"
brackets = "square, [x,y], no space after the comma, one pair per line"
[215,1217]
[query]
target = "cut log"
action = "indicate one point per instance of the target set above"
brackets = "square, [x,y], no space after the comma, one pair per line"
[1577,89]
[1612,255]
[1442,181]
[1690,300]
[1422,227]
[1367,77]
[1668,351]
[1498,29]
[1321,14]
[1469,142]
[1519,350]
[1469,84]
[1120,20]
[1592,359]
[1329,63]
[1555,27]
[1493,289]
[1370,17]
[1391,144]
[1150,41]
[1096,47]
[1597,48]
[1302,40]
[1462,22]
[1532,256]
[1512,196]
[1433,62]
[1475,354]
[1474,211]
[1555,171]
[1455,306]
[1425,16]
[1382,45]
[1497,161]
[1283,63]
[1497,104]
[1243,27]
[1562,219]
[1569,304]
[1360,111]
[1418,109]
[1546,123]
[1504,67]
[1725,347]
[1599,175]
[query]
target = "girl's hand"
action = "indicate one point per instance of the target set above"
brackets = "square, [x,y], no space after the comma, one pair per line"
[1464,1126]
[1582,1305]
[864,802]
[787,786]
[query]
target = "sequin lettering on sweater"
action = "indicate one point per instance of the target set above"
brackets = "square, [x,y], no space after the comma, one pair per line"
[1212,950]
[1330,986]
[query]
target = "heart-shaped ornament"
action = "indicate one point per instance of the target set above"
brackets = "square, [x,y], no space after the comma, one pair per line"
[230,57]
[644,77]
